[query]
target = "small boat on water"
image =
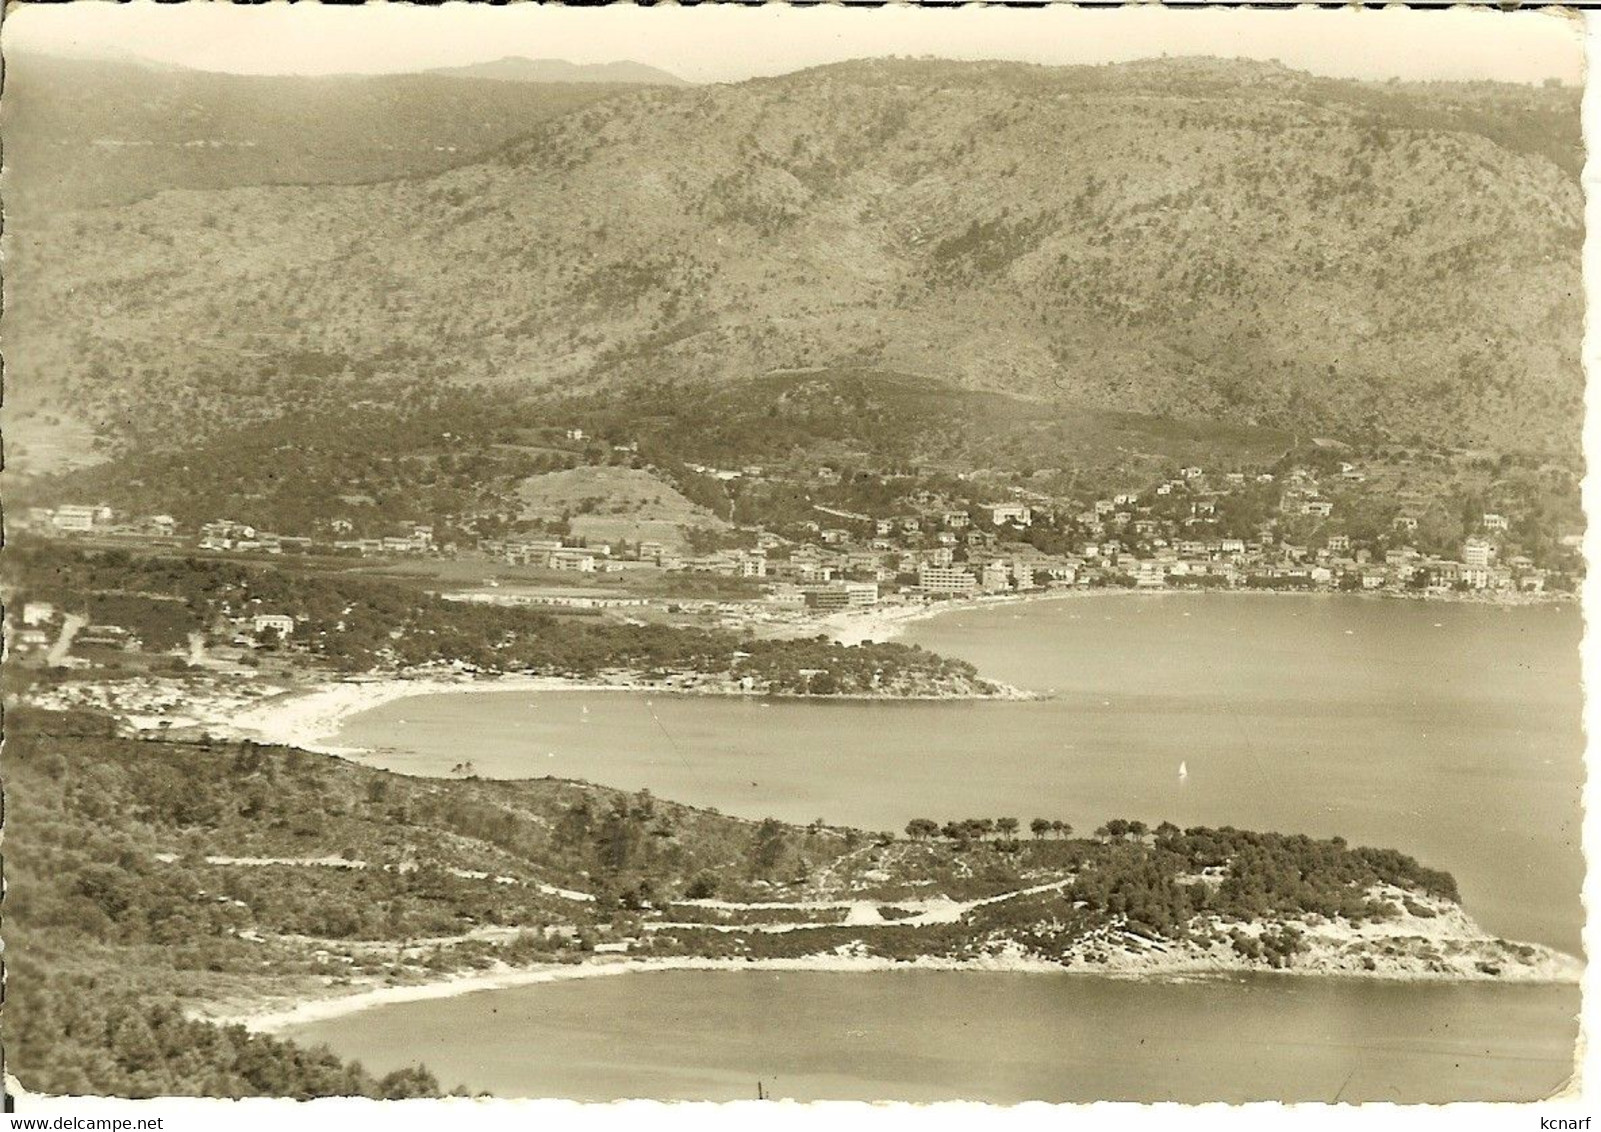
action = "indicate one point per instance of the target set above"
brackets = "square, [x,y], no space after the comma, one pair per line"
[1184,771]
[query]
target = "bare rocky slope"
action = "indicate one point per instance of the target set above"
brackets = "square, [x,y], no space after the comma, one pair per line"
[1188,238]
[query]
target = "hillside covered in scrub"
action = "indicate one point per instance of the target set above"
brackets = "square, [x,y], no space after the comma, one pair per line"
[1187,238]
[157,886]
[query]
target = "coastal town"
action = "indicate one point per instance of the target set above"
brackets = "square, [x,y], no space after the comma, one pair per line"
[1300,528]
[684,558]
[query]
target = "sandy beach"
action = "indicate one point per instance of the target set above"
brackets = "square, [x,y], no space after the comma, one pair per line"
[885,622]
[1327,958]
[309,718]
[878,622]
[274,1018]
[1443,945]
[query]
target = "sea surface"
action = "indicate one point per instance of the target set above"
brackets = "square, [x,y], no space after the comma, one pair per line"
[1449,731]
[989,1036]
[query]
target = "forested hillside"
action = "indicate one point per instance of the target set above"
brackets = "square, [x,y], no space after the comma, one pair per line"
[154,882]
[120,920]
[1187,238]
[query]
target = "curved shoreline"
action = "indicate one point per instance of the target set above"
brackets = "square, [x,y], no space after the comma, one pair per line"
[882,623]
[273,1019]
[309,718]
[886,622]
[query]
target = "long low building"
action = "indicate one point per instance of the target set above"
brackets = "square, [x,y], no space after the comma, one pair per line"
[841,595]
[563,601]
[945,580]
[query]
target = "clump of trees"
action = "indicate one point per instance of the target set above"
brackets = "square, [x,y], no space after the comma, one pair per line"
[984,829]
[362,624]
[964,830]
[122,890]
[118,894]
[1157,881]
[76,1036]
[968,830]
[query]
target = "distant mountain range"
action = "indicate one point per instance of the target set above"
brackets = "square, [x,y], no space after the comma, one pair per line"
[82,132]
[1191,239]
[515,68]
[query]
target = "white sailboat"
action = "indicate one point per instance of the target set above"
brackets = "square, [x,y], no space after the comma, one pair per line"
[1184,771]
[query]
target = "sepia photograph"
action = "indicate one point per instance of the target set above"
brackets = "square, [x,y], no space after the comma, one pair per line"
[792,554]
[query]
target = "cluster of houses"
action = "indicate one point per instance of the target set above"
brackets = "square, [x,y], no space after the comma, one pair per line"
[227,535]
[1184,531]
[601,557]
[44,630]
[1166,536]
[413,540]
[410,540]
[94,519]
[549,554]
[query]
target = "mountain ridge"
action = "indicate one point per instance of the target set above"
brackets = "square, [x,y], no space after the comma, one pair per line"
[87,133]
[1326,254]
[520,68]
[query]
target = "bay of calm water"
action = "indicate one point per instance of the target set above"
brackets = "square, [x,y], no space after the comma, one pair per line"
[988,1036]
[1449,731]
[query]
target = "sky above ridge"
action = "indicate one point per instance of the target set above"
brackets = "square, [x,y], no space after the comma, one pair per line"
[726,44]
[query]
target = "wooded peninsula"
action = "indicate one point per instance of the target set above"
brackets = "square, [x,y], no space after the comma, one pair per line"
[159,888]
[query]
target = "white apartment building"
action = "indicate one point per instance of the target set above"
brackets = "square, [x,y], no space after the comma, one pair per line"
[945,579]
